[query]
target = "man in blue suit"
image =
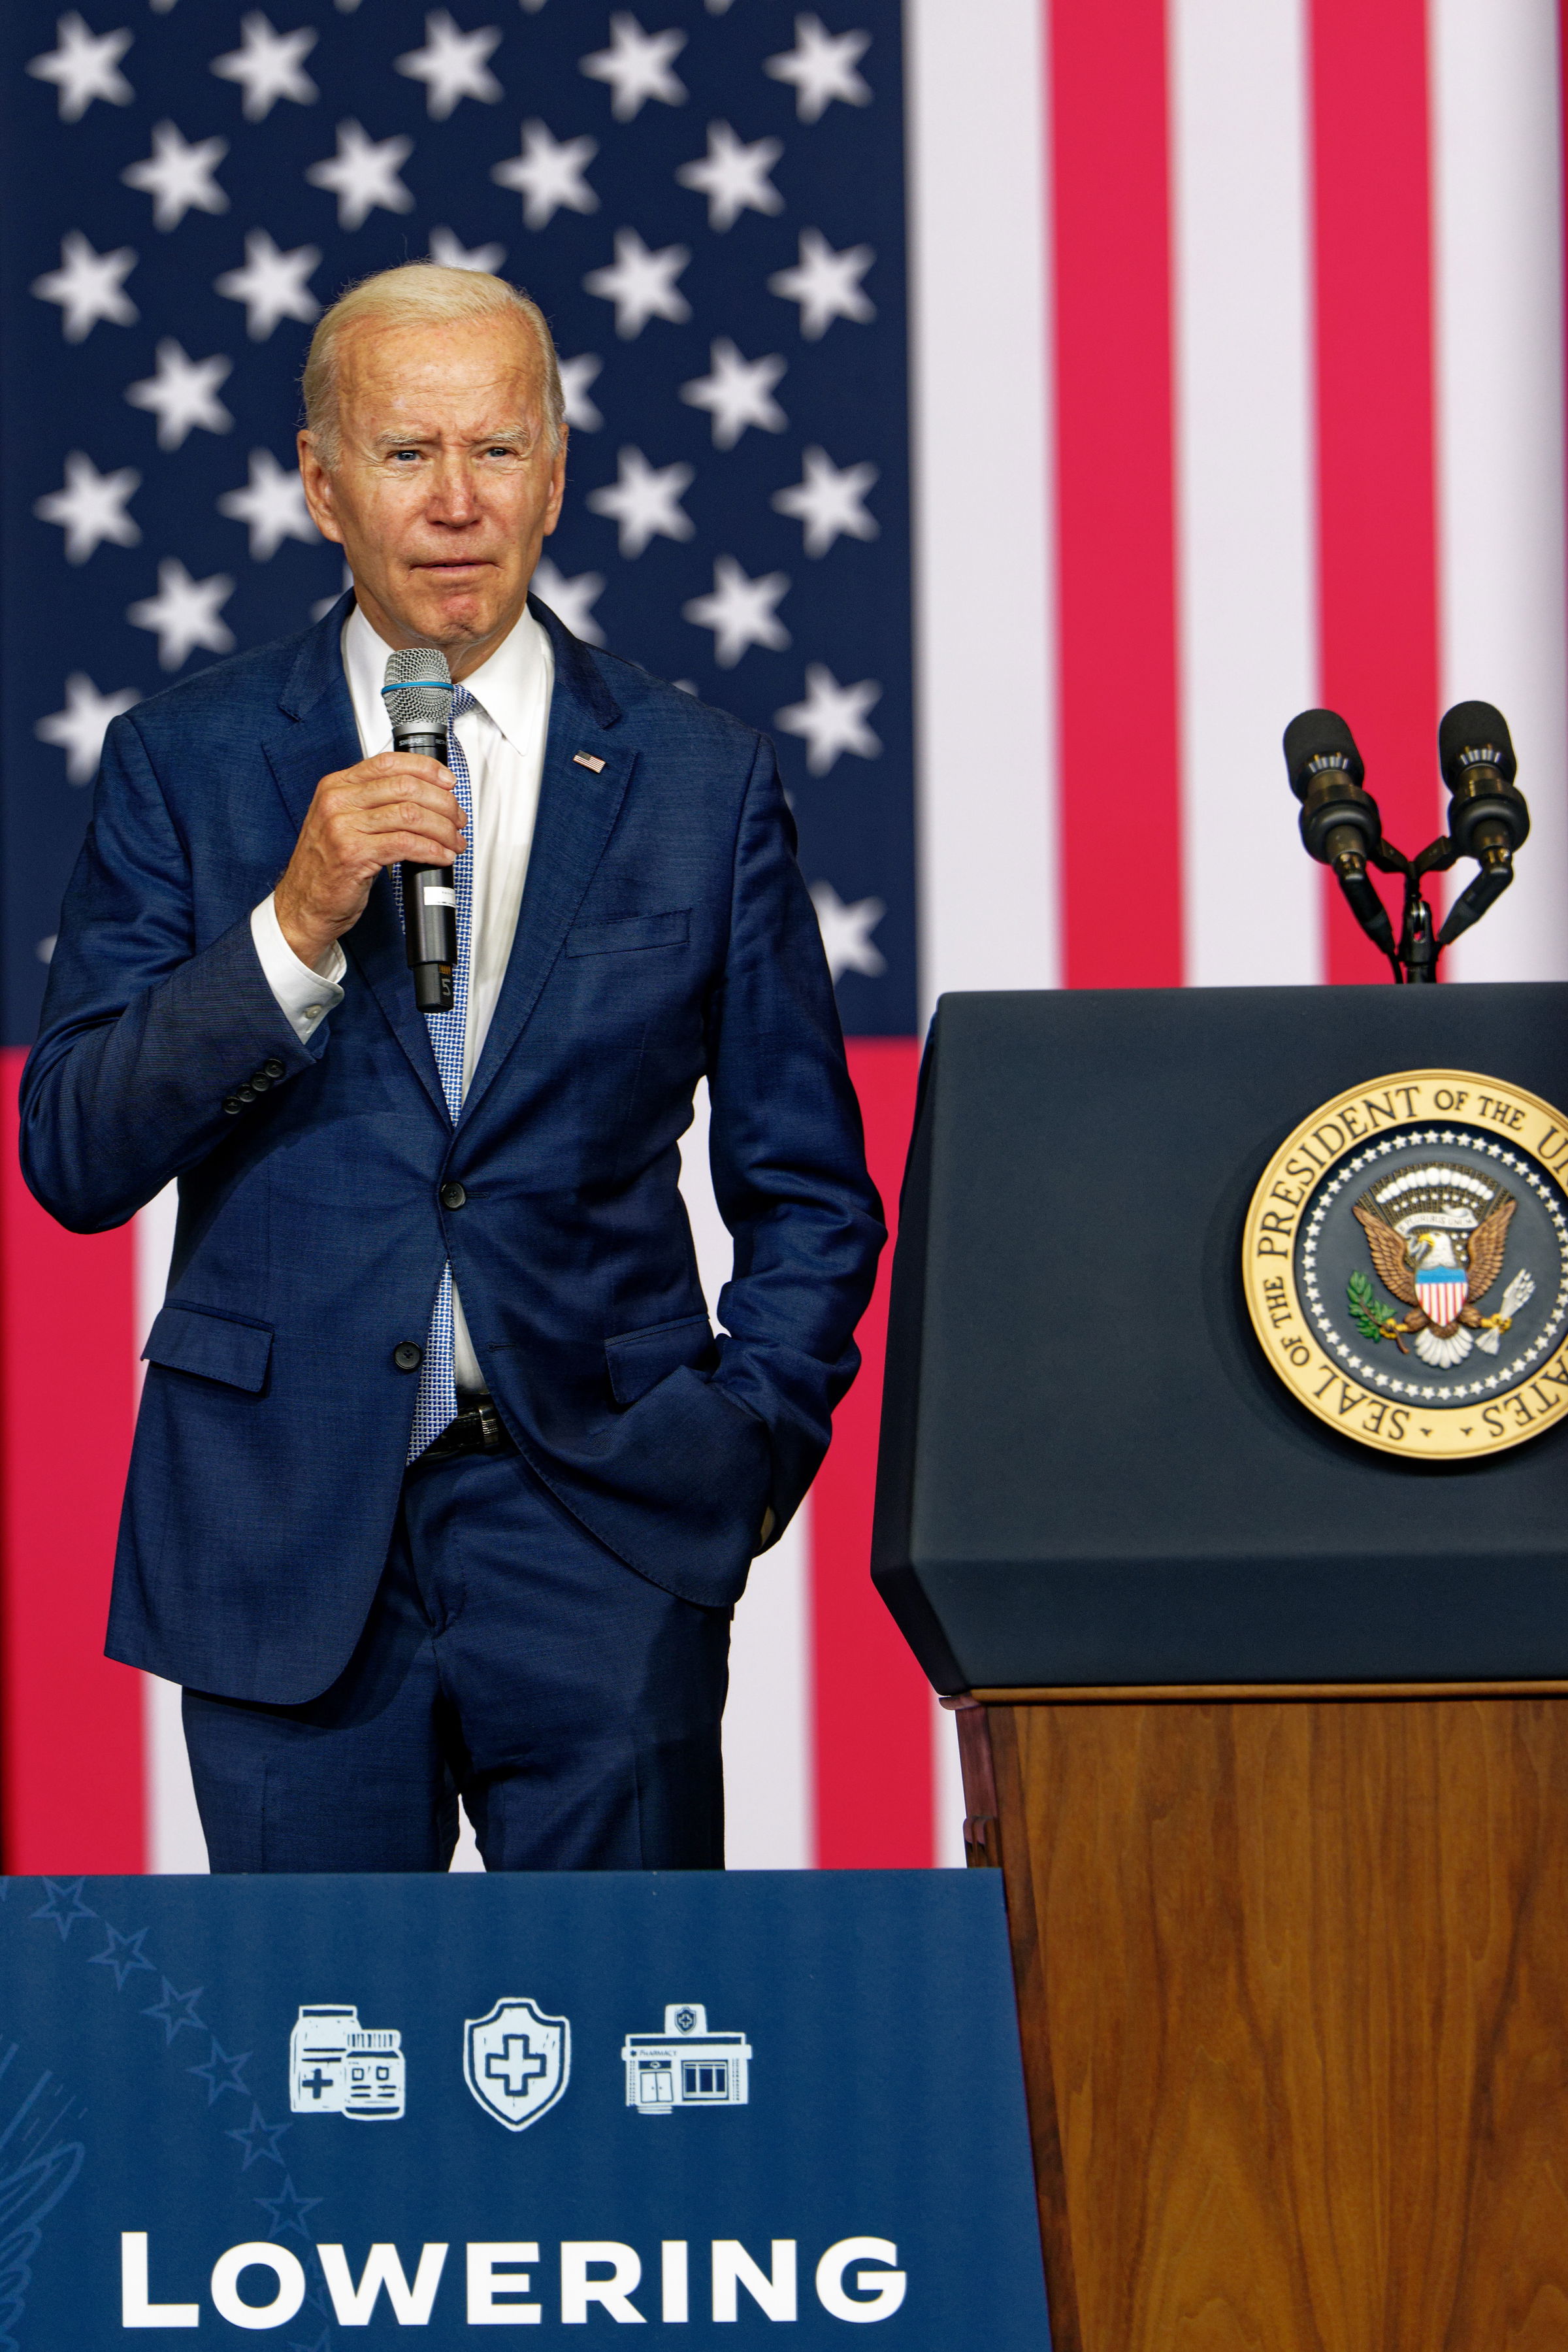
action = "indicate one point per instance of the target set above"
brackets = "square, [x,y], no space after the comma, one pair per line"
[442,1484]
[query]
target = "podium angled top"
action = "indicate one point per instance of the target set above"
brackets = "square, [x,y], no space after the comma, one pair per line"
[1090,1474]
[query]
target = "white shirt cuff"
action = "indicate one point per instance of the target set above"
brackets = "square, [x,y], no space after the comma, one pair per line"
[304,997]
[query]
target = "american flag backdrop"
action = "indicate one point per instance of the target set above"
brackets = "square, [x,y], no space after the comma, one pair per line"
[1019,408]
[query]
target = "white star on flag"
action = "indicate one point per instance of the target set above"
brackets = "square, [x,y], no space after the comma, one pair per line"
[184,613]
[452,64]
[739,612]
[738,393]
[829,501]
[832,719]
[637,66]
[363,175]
[827,285]
[575,375]
[91,508]
[80,728]
[640,284]
[846,932]
[448,252]
[271,66]
[733,176]
[184,395]
[85,66]
[644,501]
[272,504]
[271,285]
[571,601]
[822,65]
[88,287]
[548,175]
[178,175]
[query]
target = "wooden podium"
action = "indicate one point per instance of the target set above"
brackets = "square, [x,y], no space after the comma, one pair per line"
[1267,1735]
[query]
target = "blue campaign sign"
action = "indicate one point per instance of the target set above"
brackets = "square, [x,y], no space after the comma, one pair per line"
[314,2105]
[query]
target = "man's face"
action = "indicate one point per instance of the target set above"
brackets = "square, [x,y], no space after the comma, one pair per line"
[446,488]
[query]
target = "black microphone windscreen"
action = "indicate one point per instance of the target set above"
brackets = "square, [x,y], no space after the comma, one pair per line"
[1472,729]
[1315,735]
[418,690]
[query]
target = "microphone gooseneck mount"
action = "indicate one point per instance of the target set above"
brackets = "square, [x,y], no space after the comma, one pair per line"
[418,696]
[1342,828]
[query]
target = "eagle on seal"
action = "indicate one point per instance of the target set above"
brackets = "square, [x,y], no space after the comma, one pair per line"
[1438,1271]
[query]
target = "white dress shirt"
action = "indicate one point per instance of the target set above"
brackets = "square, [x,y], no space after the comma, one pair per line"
[503,740]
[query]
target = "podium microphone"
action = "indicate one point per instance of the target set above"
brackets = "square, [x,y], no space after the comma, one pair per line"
[418,696]
[1488,818]
[1341,826]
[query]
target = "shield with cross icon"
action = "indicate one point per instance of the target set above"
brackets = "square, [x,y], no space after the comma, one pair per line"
[517,2062]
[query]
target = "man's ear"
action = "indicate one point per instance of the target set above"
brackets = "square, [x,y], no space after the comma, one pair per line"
[317,484]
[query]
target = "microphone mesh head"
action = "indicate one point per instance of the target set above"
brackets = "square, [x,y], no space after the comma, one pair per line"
[1472,727]
[418,690]
[1315,738]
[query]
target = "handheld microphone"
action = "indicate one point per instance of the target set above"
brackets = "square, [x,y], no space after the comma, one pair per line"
[418,696]
[1341,826]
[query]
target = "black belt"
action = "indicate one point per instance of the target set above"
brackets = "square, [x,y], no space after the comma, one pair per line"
[478,1429]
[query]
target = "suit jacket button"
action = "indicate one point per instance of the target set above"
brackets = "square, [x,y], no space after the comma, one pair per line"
[232,1104]
[274,1068]
[453,1196]
[408,1355]
[247,1094]
[259,1082]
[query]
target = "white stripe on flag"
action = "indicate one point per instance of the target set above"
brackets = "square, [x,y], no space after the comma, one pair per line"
[1498,265]
[1245,528]
[985,704]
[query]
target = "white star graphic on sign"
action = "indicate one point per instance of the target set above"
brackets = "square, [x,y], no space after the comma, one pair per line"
[91,508]
[363,175]
[575,375]
[272,504]
[178,175]
[184,613]
[646,502]
[828,500]
[271,66]
[571,601]
[738,393]
[822,65]
[832,719]
[88,287]
[80,728]
[637,66]
[733,176]
[827,285]
[739,612]
[846,932]
[271,285]
[448,252]
[640,284]
[548,175]
[184,395]
[86,66]
[452,64]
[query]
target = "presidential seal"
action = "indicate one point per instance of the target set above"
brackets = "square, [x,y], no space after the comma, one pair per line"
[1406,1263]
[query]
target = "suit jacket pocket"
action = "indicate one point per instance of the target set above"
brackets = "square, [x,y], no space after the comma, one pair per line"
[638,1360]
[672,930]
[215,1346]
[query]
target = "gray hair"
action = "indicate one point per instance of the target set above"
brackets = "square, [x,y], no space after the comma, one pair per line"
[423,292]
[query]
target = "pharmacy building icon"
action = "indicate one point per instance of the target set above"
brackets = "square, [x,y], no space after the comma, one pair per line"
[339,2067]
[686,2067]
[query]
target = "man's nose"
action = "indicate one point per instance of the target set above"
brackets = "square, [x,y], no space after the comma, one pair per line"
[454,499]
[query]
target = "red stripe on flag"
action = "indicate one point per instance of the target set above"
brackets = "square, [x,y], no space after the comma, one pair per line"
[72,1735]
[873,1741]
[1115,498]
[1376,483]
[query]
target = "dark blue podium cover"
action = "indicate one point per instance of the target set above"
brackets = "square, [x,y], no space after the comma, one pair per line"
[326,2108]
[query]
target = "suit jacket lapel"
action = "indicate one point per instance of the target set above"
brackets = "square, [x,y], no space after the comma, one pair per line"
[316,734]
[576,814]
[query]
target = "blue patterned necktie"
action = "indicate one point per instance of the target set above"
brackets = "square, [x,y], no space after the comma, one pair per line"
[437,1403]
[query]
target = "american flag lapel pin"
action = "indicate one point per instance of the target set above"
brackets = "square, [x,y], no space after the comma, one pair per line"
[586,759]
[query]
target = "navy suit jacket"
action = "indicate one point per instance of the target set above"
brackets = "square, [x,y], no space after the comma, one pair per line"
[665,934]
